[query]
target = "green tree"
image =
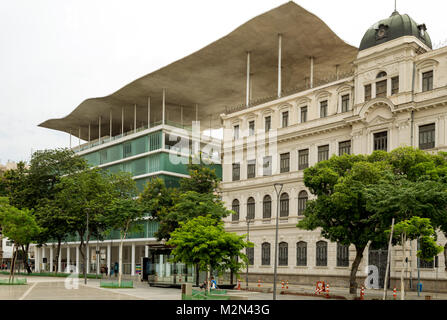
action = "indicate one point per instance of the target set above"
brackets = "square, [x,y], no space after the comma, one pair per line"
[123,212]
[84,197]
[416,228]
[203,242]
[33,188]
[339,210]
[18,225]
[202,179]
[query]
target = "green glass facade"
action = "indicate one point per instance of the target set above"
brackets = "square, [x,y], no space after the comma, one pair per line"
[151,156]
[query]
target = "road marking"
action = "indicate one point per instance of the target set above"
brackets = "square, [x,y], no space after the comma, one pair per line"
[28,291]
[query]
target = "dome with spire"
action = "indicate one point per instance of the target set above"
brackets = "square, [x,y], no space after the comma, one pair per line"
[396,26]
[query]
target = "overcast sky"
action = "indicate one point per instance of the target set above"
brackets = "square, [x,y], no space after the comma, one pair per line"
[54,54]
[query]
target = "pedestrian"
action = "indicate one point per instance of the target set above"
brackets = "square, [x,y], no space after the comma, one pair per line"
[213,283]
[106,270]
[116,267]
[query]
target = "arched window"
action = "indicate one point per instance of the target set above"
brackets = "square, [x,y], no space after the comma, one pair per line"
[250,208]
[381,74]
[267,207]
[321,254]
[302,201]
[235,208]
[283,254]
[301,253]
[284,205]
[342,255]
[265,254]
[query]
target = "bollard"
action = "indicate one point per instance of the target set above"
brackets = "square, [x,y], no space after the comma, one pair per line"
[287,285]
[327,290]
[259,283]
[238,285]
[394,293]
[362,293]
[282,283]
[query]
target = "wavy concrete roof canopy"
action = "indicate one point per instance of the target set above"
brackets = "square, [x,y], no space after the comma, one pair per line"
[215,76]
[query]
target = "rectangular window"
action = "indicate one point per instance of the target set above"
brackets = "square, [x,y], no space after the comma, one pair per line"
[303,159]
[323,153]
[236,132]
[285,119]
[251,169]
[303,114]
[394,85]
[345,103]
[381,141]
[251,128]
[236,171]
[381,89]
[268,123]
[323,109]
[285,162]
[427,136]
[344,147]
[427,81]
[103,156]
[367,92]
[342,255]
[267,166]
[127,150]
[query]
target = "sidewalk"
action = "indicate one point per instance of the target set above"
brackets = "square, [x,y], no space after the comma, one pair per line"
[341,293]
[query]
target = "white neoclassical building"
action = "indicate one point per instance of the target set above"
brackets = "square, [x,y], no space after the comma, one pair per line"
[394,94]
[286,92]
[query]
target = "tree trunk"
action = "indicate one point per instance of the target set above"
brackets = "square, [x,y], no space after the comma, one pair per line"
[354,269]
[14,255]
[120,263]
[208,279]
[402,284]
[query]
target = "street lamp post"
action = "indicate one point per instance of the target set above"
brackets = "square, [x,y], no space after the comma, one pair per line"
[248,239]
[278,189]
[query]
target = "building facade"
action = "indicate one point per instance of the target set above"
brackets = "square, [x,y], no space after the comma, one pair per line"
[396,95]
[286,92]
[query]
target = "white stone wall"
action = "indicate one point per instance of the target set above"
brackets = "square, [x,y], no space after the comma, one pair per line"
[400,115]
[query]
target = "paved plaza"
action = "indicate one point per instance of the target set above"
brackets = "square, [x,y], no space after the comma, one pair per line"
[50,288]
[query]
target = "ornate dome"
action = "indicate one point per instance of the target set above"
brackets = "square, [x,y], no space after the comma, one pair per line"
[396,26]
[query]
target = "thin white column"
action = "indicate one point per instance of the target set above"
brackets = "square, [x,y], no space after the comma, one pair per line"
[181,115]
[59,262]
[43,256]
[146,251]
[197,112]
[68,258]
[109,257]
[79,138]
[110,134]
[88,259]
[70,138]
[99,138]
[37,259]
[51,258]
[164,106]
[133,260]
[77,259]
[247,100]
[311,72]
[122,120]
[135,118]
[89,133]
[148,112]
[279,64]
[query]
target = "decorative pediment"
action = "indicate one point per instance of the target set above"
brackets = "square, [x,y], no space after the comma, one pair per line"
[379,120]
